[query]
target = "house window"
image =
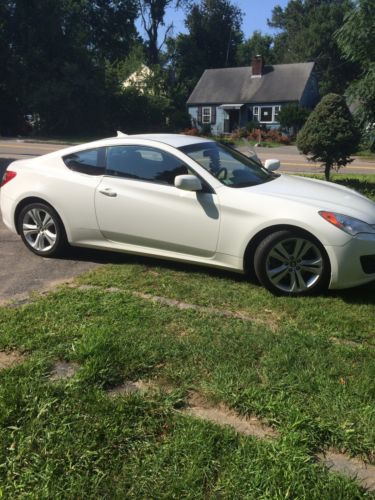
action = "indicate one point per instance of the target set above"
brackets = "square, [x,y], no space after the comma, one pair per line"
[206,115]
[266,114]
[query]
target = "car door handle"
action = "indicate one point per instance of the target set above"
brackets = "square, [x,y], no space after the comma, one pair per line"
[108,192]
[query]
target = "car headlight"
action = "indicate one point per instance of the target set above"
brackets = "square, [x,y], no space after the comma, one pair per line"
[348,224]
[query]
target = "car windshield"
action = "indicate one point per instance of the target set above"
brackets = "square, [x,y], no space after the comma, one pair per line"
[230,167]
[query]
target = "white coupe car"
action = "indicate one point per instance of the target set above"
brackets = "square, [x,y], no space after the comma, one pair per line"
[194,200]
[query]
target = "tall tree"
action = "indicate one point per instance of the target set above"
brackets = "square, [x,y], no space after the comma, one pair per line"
[214,35]
[10,110]
[357,42]
[152,13]
[256,44]
[111,27]
[59,50]
[307,30]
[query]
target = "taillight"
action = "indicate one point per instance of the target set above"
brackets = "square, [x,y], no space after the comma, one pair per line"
[8,176]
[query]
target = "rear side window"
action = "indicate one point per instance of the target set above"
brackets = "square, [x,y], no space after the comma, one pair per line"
[91,161]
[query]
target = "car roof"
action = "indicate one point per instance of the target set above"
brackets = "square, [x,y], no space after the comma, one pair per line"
[174,140]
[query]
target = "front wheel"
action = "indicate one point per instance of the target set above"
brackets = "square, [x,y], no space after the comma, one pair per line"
[292,263]
[41,230]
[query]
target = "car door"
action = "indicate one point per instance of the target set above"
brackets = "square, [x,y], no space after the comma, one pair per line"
[137,204]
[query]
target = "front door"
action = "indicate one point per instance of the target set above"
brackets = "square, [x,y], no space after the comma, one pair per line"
[234,119]
[137,204]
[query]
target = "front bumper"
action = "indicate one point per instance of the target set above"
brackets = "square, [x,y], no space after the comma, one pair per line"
[347,269]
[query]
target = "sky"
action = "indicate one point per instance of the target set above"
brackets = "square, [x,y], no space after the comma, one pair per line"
[256,13]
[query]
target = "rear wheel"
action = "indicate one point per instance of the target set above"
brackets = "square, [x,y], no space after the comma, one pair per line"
[42,230]
[292,263]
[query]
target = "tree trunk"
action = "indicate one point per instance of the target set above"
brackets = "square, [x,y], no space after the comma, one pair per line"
[327,170]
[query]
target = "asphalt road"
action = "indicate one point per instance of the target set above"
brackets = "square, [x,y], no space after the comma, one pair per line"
[22,272]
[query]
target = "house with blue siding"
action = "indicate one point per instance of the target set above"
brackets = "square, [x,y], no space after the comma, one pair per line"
[229,98]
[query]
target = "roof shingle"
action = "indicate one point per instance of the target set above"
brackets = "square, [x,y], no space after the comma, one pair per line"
[281,82]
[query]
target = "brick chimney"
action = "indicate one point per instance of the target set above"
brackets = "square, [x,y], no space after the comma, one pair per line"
[257,65]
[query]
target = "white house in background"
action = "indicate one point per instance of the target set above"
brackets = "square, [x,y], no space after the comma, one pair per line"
[139,78]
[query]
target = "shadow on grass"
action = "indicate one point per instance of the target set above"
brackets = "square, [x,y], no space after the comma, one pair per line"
[361,295]
[364,295]
[108,257]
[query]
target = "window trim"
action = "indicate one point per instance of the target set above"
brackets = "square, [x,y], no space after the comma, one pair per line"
[205,108]
[257,113]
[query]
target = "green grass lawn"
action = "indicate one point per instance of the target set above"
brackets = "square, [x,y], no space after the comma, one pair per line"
[304,366]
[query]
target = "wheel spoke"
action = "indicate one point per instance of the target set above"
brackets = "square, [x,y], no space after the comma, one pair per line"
[37,242]
[293,283]
[300,281]
[50,237]
[301,248]
[35,215]
[48,221]
[279,253]
[29,229]
[313,266]
[277,273]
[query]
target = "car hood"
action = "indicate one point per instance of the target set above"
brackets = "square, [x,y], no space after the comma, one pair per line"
[320,194]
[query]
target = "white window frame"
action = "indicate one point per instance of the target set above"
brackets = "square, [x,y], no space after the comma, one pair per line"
[257,113]
[276,109]
[206,118]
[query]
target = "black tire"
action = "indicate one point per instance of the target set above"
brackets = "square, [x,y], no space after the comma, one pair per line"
[292,263]
[41,230]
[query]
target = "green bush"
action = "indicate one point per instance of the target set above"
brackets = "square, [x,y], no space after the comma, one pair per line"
[329,135]
[291,116]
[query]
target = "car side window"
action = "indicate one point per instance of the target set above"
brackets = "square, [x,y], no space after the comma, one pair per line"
[144,163]
[90,161]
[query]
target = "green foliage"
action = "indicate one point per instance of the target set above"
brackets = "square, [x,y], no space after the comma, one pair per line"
[329,135]
[214,34]
[256,44]
[304,366]
[58,72]
[306,33]
[356,40]
[292,116]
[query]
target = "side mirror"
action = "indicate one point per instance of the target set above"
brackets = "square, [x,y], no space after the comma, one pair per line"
[272,165]
[188,183]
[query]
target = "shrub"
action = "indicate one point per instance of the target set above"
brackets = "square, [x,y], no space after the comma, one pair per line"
[206,129]
[291,116]
[191,131]
[329,135]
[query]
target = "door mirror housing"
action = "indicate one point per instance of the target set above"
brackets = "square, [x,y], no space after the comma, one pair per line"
[188,182]
[272,165]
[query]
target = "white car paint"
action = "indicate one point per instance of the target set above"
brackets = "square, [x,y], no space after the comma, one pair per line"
[210,228]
